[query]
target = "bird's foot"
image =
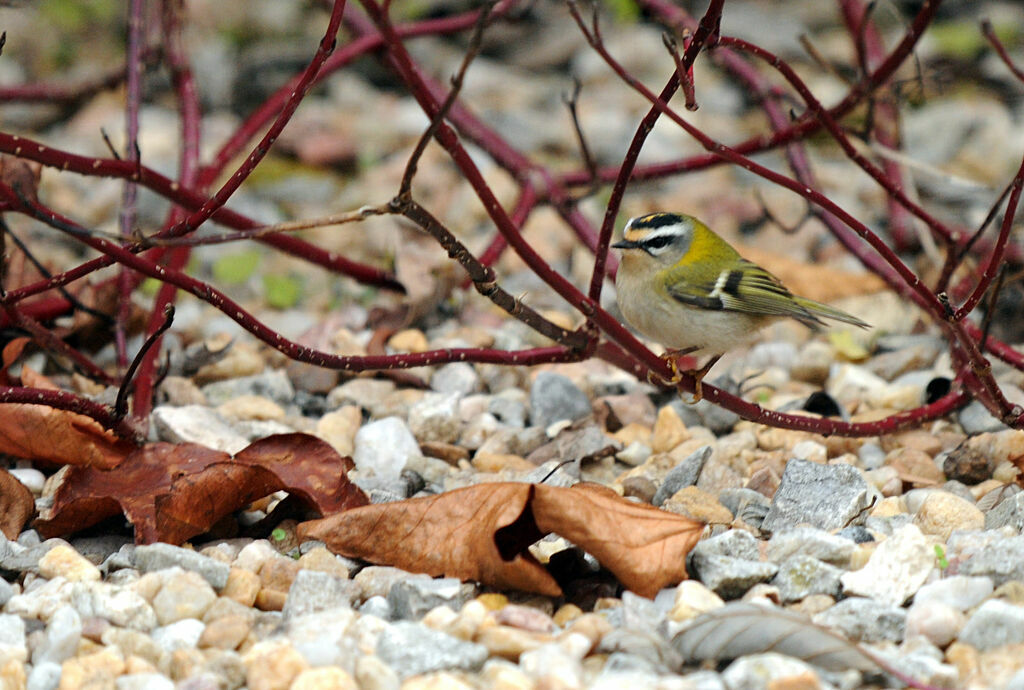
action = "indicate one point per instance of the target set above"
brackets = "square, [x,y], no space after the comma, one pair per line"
[698,375]
[671,358]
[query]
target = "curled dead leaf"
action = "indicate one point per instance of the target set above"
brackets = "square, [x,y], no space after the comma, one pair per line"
[482,532]
[171,492]
[17,506]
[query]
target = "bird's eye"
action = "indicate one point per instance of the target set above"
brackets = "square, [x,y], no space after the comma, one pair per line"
[658,242]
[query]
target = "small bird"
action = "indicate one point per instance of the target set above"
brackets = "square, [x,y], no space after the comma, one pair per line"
[683,286]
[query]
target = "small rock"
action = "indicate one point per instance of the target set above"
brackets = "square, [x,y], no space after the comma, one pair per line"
[272,665]
[184,594]
[994,624]
[967,464]
[411,598]
[942,512]
[896,570]
[508,410]
[692,599]
[44,676]
[554,397]
[64,561]
[339,428]
[32,478]
[373,674]
[682,475]
[940,623]
[734,543]
[251,407]
[182,634]
[411,649]
[384,447]
[97,670]
[459,378]
[1008,512]
[1001,559]
[809,541]
[669,431]
[327,678]
[552,666]
[801,576]
[435,418]
[959,591]
[226,632]
[242,586]
[698,505]
[63,633]
[731,577]
[269,384]
[368,394]
[12,637]
[377,580]
[322,638]
[144,681]
[827,496]
[770,671]
[865,620]
[152,557]
[196,424]
[312,591]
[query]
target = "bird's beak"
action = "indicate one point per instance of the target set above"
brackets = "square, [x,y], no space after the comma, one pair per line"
[626,244]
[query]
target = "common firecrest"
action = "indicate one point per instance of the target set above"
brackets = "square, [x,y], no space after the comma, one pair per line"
[683,286]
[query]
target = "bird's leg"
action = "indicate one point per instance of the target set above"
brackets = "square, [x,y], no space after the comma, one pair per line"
[671,358]
[699,375]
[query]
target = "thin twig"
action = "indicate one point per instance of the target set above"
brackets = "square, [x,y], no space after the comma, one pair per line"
[121,403]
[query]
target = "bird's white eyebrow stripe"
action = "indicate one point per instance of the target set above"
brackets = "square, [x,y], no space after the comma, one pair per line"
[667,231]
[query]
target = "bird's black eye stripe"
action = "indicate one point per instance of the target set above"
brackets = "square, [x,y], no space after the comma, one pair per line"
[658,241]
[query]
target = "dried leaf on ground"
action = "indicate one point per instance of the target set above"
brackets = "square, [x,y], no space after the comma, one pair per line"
[17,506]
[171,492]
[39,432]
[482,532]
[740,629]
[12,350]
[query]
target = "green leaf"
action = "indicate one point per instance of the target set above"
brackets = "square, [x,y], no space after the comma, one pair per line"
[625,11]
[278,534]
[233,269]
[281,292]
[150,286]
[940,557]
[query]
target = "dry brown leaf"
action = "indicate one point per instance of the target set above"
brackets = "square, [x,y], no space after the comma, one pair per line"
[17,506]
[39,432]
[482,532]
[173,492]
[12,350]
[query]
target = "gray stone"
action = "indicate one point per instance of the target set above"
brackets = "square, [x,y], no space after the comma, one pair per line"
[121,606]
[508,411]
[554,397]
[376,606]
[436,418]
[1009,511]
[994,624]
[858,534]
[314,591]
[44,676]
[6,592]
[743,503]
[896,569]
[1000,559]
[411,598]
[1016,682]
[411,649]
[457,377]
[582,445]
[320,637]
[801,575]
[644,647]
[734,543]
[384,447]
[730,577]
[122,559]
[20,559]
[865,620]
[98,549]
[377,580]
[269,384]
[159,556]
[809,541]
[682,475]
[959,591]
[12,631]
[182,634]
[826,496]
[975,419]
[60,642]
[196,424]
